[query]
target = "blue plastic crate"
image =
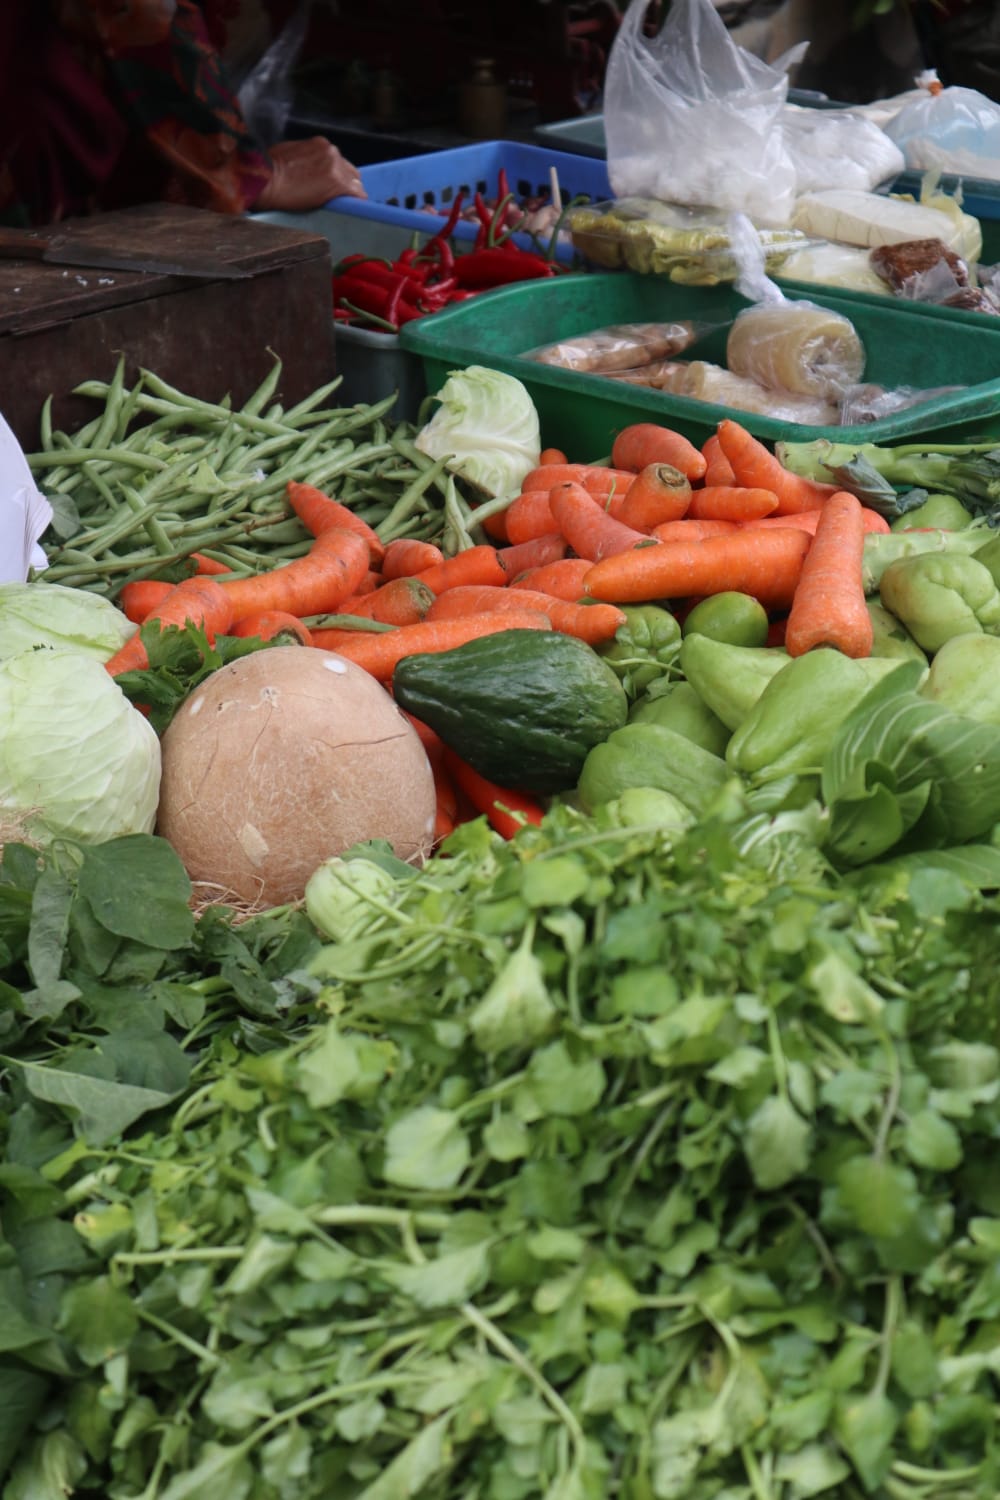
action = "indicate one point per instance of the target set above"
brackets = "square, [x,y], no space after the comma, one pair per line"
[399,191]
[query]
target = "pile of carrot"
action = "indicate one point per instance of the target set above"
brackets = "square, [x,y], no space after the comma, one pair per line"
[664,521]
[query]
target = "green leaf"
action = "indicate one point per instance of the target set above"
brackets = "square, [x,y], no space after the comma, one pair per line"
[881,1198]
[22,1392]
[516,1010]
[842,992]
[220,1469]
[561,1086]
[102,1109]
[50,914]
[557,881]
[426,1148]
[865,1429]
[126,879]
[329,1069]
[49,1470]
[442,1282]
[932,1141]
[237,1398]
[797,1422]
[99,1319]
[360,1420]
[777,1143]
[414,1467]
[914,1360]
[506,1138]
[811,1470]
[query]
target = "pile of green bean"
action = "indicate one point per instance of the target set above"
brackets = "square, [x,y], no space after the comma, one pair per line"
[158,475]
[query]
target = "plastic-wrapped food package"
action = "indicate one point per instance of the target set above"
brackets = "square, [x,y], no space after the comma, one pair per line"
[691,246]
[786,344]
[620,346]
[898,264]
[797,347]
[872,219]
[846,266]
[949,129]
[708,382]
[661,375]
[691,117]
[828,145]
[869,403]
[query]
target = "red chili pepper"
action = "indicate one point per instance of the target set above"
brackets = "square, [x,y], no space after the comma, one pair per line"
[503,189]
[372,272]
[449,224]
[498,266]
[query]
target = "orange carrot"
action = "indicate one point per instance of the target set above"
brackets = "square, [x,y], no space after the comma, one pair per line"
[659,493]
[592,623]
[587,526]
[809,520]
[594,477]
[207,567]
[495,525]
[138,598]
[196,601]
[646,443]
[406,556]
[370,582]
[432,742]
[689,530]
[829,607]
[445,804]
[552,456]
[506,810]
[764,564]
[474,565]
[731,502]
[381,654]
[534,554]
[272,624]
[720,470]
[563,579]
[315,584]
[401,601]
[756,467]
[529,516]
[319,513]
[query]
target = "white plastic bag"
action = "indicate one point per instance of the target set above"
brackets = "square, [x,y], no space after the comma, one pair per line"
[838,146]
[691,117]
[951,129]
[267,93]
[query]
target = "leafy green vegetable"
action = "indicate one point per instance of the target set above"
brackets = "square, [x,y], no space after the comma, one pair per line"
[76,760]
[610,1162]
[486,427]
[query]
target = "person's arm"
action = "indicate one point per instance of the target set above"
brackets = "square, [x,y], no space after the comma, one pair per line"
[172,84]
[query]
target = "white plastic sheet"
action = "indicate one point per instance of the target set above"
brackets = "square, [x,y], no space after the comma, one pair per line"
[24,512]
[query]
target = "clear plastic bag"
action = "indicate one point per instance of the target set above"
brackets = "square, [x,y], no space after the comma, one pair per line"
[949,129]
[788,345]
[833,145]
[266,95]
[620,346]
[691,117]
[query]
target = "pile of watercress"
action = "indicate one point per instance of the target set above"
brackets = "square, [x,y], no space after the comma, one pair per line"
[606,1162]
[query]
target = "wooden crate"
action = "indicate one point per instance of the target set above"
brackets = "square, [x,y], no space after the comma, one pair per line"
[60,325]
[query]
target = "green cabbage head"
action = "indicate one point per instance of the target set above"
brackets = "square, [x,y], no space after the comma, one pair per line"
[76,759]
[48,614]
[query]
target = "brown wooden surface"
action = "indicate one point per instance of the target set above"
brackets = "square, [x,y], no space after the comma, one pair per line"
[60,326]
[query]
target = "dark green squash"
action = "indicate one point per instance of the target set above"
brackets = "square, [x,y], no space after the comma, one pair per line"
[523,707]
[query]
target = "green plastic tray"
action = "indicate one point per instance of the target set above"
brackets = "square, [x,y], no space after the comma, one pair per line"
[582,413]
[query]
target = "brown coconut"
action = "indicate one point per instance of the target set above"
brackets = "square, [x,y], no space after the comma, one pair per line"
[280,760]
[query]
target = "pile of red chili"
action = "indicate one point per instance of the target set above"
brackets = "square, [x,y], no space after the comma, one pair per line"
[380,293]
